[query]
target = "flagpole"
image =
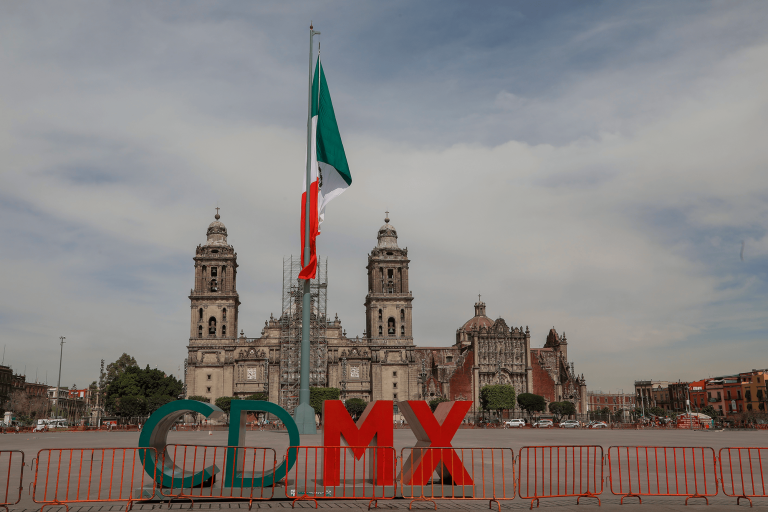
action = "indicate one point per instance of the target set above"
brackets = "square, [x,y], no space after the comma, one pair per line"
[304,414]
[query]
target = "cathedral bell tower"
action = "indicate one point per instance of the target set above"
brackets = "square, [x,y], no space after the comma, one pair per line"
[388,303]
[214,299]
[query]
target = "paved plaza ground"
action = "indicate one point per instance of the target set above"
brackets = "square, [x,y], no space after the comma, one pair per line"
[514,439]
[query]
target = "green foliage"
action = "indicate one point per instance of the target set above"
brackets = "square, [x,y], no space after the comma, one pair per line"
[656,411]
[319,395]
[355,407]
[437,401]
[225,402]
[200,399]
[497,397]
[137,392]
[155,402]
[531,403]
[562,409]
[131,405]
[258,396]
[116,369]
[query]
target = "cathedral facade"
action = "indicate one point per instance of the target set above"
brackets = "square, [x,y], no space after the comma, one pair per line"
[382,364]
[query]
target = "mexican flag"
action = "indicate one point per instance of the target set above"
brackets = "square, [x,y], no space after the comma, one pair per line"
[329,171]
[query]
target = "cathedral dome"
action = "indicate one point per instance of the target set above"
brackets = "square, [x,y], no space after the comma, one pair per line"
[387,235]
[479,320]
[217,232]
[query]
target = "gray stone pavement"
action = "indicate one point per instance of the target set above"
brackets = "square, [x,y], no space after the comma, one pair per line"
[514,439]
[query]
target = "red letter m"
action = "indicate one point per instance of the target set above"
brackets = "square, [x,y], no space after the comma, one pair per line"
[374,428]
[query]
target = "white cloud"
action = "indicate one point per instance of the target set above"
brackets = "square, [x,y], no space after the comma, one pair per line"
[614,211]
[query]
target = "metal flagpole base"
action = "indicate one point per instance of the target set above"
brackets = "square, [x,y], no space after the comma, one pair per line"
[305,419]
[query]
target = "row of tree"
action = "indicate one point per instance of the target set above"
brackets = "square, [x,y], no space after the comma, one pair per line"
[501,397]
[355,406]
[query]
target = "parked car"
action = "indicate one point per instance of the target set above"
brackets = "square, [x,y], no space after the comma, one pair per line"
[598,424]
[569,424]
[543,424]
[515,422]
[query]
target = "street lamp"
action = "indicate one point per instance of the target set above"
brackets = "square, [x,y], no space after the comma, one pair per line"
[58,385]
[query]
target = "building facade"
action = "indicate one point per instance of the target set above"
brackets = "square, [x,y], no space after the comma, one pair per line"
[383,363]
[599,401]
[652,393]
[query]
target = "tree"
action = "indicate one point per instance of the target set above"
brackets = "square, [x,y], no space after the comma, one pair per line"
[531,403]
[225,402]
[93,390]
[199,398]
[114,370]
[497,397]
[437,401]
[562,409]
[710,411]
[656,411]
[355,407]
[20,403]
[155,402]
[319,395]
[131,406]
[258,396]
[149,388]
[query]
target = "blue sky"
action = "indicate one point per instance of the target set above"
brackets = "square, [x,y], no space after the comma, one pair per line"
[593,166]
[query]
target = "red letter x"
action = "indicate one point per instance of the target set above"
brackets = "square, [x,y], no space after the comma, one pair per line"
[434,431]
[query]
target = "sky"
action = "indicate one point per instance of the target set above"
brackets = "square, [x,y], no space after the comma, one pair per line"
[589,166]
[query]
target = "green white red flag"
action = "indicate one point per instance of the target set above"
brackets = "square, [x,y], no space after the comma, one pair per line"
[329,171]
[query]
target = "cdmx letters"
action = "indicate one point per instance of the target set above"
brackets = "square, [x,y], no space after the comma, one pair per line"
[374,428]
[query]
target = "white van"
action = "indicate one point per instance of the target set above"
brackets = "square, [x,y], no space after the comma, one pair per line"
[515,423]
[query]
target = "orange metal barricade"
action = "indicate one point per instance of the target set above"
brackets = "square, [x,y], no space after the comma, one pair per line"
[80,475]
[11,475]
[560,472]
[247,467]
[342,473]
[741,472]
[474,474]
[662,471]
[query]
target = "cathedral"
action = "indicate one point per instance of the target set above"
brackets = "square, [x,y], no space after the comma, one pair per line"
[382,364]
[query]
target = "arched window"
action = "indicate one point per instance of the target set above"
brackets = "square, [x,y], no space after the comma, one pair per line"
[214,272]
[204,269]
[223,330]
[380,331]
[402,330]
[391,326]
[379,315]
[212,326]
[224,314]
[200,314]
[199,331]
[214,285]
[402,315]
